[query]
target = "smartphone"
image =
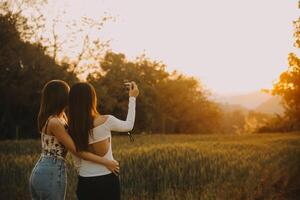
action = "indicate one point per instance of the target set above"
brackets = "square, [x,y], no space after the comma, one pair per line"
[129,85]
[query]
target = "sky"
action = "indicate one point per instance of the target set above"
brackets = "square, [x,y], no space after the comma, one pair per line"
[233,46]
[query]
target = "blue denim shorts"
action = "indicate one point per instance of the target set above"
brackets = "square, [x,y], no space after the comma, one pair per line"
[48,179]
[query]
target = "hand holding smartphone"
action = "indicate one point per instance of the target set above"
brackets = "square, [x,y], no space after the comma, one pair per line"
[133,88]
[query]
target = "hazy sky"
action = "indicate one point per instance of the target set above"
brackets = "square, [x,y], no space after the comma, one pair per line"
[232,46]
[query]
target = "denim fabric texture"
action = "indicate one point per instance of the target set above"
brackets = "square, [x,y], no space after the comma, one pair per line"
[48,179]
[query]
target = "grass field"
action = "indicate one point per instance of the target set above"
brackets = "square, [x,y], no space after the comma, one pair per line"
[265,166]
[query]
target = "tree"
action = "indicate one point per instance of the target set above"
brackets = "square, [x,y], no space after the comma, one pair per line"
[168,103]
[24,69]
[288,85]
[78,44]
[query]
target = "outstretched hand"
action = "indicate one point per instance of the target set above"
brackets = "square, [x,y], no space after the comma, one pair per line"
[133,89]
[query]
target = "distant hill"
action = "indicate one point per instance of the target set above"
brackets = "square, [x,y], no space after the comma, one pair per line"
[272,105]
[231,108]
[250,100]
[258,101]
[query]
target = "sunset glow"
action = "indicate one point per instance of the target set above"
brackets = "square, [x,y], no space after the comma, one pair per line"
[231,46]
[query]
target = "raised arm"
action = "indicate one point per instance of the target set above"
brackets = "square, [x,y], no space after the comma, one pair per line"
[58,130]
[127,125]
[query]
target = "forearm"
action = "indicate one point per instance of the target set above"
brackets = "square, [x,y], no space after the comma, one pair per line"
[131,112]
[64,138]
[127,125]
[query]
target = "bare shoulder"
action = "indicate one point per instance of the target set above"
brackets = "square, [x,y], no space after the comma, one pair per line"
[55,123]
[101,119]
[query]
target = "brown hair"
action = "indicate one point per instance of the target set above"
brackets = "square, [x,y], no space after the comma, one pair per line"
[82,111]
[54,100]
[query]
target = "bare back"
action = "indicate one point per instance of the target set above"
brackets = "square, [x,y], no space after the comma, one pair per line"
[100,148]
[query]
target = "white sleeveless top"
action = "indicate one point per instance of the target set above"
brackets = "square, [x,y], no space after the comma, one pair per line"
[87,168]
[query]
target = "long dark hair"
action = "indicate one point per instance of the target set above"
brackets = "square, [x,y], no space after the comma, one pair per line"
[54,100]
[82,111]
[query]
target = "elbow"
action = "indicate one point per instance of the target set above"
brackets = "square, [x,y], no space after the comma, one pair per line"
[72,150]
[130,127]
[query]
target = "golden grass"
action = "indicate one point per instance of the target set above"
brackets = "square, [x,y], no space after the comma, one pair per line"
[265,166]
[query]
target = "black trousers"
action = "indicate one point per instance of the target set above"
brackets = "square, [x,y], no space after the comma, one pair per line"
[106,187]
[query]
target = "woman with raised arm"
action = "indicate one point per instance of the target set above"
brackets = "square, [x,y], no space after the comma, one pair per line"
[91,131]
[48,177]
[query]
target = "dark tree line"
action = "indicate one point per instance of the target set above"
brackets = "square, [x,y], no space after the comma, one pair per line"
[24,69]
[168,102]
